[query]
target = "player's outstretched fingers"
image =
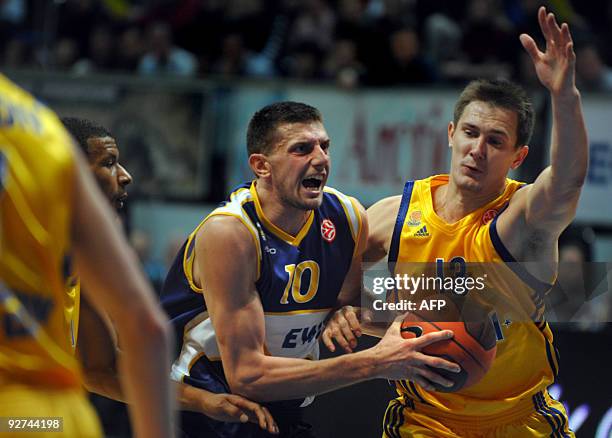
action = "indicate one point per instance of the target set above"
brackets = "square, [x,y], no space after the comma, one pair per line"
[530,46]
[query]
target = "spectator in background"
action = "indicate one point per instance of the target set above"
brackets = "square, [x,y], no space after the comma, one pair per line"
[314,26]
[65,54]
[342,65]
[406,64]
[100,52]
[129,50]
[488,48]
[592,73]
[233,59]
[76,19]
[303,62]
[165,58]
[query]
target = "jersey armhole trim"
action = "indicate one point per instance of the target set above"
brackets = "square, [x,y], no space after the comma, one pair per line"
[540,287]
[399,224]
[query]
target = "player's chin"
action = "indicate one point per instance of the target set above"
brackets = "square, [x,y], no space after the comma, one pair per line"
[470,184]
[311,201]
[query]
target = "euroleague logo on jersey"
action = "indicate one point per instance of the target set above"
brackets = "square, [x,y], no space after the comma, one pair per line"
[328,230]
[488,216]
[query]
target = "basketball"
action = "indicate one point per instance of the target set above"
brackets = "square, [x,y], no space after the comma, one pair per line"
[473,346]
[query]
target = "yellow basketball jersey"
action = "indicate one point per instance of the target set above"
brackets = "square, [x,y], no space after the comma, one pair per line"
[72,307]
[37,174]
[526,361]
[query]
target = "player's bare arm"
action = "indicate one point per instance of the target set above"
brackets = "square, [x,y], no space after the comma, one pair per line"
[228,276]
[97,351]
[547,206]
[113,281]
[225,407]
[381,216]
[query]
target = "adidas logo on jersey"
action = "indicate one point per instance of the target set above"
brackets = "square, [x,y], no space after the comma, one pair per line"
[422,232]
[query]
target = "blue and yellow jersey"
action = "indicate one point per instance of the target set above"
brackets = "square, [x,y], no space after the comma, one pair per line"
[37,173]
[298,278]
[526,361]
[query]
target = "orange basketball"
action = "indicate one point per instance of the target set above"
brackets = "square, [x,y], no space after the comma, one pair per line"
[473,346]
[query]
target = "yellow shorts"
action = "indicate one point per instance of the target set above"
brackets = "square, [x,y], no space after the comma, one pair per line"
[545,417]
[79,417]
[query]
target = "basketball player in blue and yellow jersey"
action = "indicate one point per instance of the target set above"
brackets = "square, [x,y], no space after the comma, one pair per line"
[250,291]
[50,208]
[477,214]
[97,347]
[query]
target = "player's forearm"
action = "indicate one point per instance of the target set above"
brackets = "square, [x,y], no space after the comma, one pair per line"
[147,386]
[569,145]
[277,378]
[190,398]
[105,383]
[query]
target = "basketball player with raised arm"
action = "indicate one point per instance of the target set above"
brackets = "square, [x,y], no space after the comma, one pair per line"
[477,214]
[50,209]
[251,288]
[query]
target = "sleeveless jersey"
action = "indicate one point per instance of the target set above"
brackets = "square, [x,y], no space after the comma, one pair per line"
[37,173]
[526,361]
[72,307]
[298,279]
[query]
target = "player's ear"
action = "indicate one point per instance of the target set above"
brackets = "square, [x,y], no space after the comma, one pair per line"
[451,131]
[521,154]
[259,165]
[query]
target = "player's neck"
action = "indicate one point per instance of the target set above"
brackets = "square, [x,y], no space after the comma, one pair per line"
[452,204]
[287,218]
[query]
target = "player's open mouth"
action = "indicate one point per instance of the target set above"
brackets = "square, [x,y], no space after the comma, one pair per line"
[313,183]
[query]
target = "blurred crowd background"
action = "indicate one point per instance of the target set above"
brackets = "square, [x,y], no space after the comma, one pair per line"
[349,42]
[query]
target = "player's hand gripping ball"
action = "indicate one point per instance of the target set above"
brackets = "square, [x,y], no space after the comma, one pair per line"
[473,346]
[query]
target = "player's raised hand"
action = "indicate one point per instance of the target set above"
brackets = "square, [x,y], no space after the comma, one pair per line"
[234,408]
[555,66]
[342,328]
[401,359]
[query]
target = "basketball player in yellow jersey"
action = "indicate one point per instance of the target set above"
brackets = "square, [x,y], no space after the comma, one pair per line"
[476,214]
[50,207]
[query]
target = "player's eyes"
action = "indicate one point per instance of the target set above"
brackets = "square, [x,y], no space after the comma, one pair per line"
[302,148]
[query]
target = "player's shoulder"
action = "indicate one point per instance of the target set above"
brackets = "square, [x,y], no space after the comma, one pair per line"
[381,217]
[334,194]
[223,228]
[385,207]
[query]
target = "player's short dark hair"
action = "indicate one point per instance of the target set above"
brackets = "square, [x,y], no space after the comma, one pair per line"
[263,124]
[504,94]
[84,129]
